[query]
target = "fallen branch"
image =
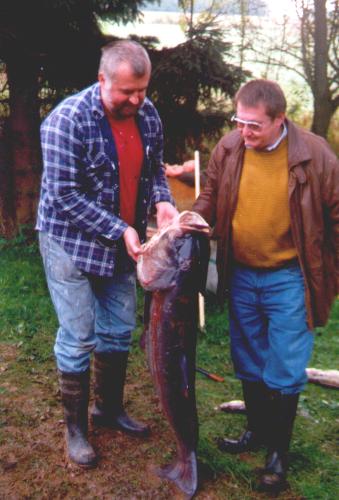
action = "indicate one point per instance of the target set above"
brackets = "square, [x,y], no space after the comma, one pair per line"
[327,378]
[236,406]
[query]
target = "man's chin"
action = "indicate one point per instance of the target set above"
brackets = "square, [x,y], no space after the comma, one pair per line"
[127,112]
[254,145]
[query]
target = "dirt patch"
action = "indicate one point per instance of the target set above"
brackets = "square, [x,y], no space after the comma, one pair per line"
[8,353]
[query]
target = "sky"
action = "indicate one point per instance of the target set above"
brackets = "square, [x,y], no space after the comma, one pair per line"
[281,7]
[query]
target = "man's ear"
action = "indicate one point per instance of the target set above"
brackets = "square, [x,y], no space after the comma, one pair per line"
[101,78]
[281,118]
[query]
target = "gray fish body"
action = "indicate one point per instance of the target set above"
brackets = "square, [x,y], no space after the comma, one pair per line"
[171,346]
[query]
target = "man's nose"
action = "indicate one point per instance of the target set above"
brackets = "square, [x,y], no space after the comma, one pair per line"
[246,130]
[135,99]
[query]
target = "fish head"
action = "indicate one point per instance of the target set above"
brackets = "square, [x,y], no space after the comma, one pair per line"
[157,264]
[169,253]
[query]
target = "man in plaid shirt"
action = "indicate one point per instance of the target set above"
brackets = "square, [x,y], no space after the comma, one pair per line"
[103,172]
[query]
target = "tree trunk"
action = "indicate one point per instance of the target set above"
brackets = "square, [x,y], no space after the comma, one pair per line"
[22,141]
[323,108]
[7,212]
[323,112]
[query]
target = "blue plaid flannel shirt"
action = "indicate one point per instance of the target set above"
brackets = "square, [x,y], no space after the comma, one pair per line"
[79,199]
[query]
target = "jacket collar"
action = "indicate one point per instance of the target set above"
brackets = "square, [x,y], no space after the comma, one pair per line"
[298,150]
[232,141]
[96,103]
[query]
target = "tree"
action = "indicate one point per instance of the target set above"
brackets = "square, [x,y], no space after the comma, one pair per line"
[310,49]
[319,31]
[246,29]
[191,82]
[53,44]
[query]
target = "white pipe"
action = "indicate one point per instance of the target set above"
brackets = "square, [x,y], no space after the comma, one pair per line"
[197,192]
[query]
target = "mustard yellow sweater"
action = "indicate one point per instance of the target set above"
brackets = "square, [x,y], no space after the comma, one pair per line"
[261,232]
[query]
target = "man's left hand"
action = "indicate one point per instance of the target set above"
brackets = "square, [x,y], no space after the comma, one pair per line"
[165,213]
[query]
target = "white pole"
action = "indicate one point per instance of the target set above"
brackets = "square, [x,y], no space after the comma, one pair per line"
[197,173]
[197,192]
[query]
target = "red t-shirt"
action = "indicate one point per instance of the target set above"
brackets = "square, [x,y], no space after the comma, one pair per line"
[130,153]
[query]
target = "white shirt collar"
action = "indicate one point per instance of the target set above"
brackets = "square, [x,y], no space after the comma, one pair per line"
[278,141]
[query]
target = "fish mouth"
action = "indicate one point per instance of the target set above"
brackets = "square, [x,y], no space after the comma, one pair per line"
[198,228]
[187,221]
[192,221]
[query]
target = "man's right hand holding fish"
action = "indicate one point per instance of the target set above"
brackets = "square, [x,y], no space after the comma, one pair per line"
[166,213]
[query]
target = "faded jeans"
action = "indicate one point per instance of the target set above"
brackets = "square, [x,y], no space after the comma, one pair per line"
[94,313]
[270,339]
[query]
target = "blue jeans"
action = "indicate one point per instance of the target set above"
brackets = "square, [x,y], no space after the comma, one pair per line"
[94,313]
[270,340]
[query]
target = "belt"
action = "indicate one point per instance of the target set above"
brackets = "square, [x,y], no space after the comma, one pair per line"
[290,263]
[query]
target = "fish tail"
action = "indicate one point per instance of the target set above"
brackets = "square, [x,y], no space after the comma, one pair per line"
[183,473]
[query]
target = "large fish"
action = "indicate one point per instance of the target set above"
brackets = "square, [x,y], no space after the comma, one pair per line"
[173,267]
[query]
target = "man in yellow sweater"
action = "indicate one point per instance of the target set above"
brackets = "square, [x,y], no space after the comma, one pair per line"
[272,196]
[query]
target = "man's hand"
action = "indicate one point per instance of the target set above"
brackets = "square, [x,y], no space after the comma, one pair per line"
[132,242]
[165,213]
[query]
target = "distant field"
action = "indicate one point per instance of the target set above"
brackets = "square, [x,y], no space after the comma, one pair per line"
[163,25]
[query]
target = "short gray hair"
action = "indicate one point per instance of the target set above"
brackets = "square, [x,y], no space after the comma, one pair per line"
[124,51]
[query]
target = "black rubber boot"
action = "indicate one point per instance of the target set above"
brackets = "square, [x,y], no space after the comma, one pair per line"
[108,410]
[282,412]
[256,398]
[74,389]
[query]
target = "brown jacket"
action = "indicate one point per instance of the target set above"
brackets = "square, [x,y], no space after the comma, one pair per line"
[313,189]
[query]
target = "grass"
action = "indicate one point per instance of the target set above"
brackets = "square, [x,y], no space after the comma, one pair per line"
[28,324]
[27,318]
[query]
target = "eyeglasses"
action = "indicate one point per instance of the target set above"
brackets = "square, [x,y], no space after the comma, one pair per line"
[251,124]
